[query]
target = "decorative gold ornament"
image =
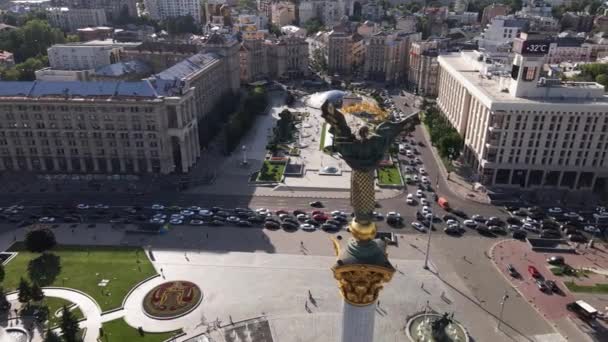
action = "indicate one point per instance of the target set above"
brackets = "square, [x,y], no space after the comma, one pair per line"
[362,232]
[360,285]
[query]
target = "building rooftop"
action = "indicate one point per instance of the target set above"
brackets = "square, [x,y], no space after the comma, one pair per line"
[123,68]
[77,89]
[492,88]
[170,81]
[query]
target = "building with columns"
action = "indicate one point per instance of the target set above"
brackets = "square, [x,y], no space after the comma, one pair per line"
[521,129]
[96,127]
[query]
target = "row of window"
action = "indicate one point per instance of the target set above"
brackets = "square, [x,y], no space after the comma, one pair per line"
[58,142]
[62,108]
[56,134]
[33,151]
[80,125]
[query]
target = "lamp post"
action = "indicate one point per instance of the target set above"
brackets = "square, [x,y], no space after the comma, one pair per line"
[244,149]
[502,309]
[428,242]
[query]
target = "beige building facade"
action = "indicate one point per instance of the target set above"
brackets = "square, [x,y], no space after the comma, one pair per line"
[109,127]
[524,130]
[423,69]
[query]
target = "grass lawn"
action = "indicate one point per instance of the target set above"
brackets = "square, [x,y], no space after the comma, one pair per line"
[389,175]
[82,268]
[597,288]
[55,304]
[274,172]
[118,331]
[322,140]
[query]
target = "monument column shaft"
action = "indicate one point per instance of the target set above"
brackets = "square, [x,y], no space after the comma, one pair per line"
[363,192]
[358,322]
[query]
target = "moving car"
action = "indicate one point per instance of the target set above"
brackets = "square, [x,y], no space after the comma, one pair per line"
[583,309]
[419,227]
[443,203]
[316,204]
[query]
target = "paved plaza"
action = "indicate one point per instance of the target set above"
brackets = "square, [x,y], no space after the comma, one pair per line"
[266,275]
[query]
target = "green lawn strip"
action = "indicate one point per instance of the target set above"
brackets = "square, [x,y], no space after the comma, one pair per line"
[597,288]
[274,172]
[54,304]
[322,140]
[118,331]
[82,268]
[389,175]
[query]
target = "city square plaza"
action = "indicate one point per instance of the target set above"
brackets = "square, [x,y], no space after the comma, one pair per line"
[272,286]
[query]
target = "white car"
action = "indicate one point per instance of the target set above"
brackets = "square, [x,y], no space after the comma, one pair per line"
[157,220]
[187,212]
[426,210]
[158,207]
[422,171]
[415,178]
[393,214]
[205,212]
[410,199]
[423,201]
[425,180]
[302,217]
[177,217]
[82,206]
[419,227]
[451,223]
[470,223]
[262,211]
[232,219]
[308,227]
[196,222]
[176,221]
[419,193]
[159,216]
[46,219]
[556,210]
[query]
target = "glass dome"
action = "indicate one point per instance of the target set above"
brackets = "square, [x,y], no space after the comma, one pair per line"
[316,100]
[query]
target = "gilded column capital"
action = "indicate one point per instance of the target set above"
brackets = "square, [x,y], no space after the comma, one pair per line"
[360,284]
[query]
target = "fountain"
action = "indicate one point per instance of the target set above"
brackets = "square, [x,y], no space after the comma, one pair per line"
[14,334]
[432,327]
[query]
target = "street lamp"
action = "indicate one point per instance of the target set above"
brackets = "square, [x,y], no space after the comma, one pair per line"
[428,243]
[244,149]
[502,309]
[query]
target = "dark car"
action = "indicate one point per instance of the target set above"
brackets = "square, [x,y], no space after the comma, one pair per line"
[460,213]
[483,230]
[551,285]
[519,234]
[271,225]
[289,226]
[549,234]
[329,226]
[497,230]
[419,216]
[394,220]
[216,223]
[244,224]
[450,217]
[556,260]
[298,212]
[316,204]
[514,220]
[510,208]
[311,221]
[577,238]
[541,285]
[334,222]
[512,271]
[256,219]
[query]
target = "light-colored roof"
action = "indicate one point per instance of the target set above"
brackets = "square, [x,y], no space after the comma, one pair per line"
[36,89]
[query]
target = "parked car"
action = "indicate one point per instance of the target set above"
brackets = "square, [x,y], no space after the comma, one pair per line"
[551,285]
[514,220]
[460,213]
[512,271]
[271,225]
[289,226]
[452,230]
[534,272]
[470,224]
[541,285]
[478,218]
[308,227]
[329,227]
[419,227]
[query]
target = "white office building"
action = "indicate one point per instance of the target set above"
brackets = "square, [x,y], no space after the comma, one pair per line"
[500,32]
[85,56]
[524,130]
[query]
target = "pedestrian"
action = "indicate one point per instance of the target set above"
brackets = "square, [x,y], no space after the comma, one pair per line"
[378,302]
[207,235]
[301,244]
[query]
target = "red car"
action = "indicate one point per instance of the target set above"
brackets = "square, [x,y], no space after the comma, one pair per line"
[317,212]
[534,272]
[320,217]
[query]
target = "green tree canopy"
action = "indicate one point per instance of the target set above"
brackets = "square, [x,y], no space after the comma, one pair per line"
[40,240]
[69,325]
[36,293]
[25,291]
[30,40]
[313,26]
[51,336]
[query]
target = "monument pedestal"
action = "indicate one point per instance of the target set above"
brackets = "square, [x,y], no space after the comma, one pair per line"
[358,322]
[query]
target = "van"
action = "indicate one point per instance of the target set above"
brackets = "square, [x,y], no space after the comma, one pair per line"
[443,203]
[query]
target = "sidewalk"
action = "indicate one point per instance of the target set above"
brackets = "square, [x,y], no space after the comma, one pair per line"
[457,183]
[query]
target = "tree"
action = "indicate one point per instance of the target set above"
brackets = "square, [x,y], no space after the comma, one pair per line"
[274,29]
[318,61]
[313,26]
[450,145]
[69,325]
[36,293]
[25,292]
[27,69]
[40,240]
[602,79]
[4,303]
[51,336]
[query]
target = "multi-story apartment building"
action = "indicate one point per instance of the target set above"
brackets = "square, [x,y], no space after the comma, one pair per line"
[253,60]
[423,69]
[492,11]
[386,56]
[163,9]
[95,33]
[287,57]
[112,8]
[71,19]
[339,52]
[521,129]
[85,56]
[500,32]
[283,13]
[572,49]
[577,22]
[100,127]
[159,55]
